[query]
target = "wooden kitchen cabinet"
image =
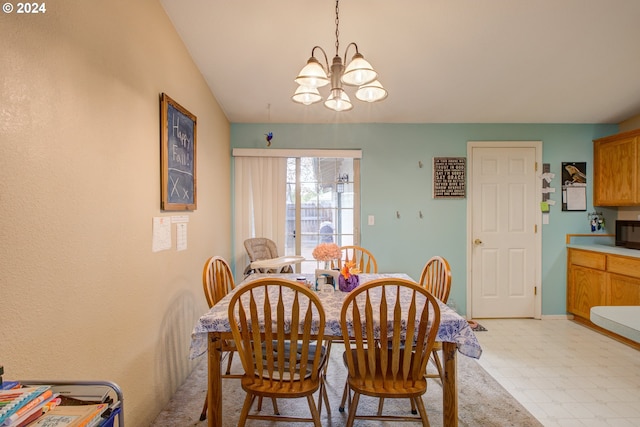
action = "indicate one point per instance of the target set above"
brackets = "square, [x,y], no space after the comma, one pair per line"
[586,289]
[586,281]
[616,170]
[598,278]
[624,290]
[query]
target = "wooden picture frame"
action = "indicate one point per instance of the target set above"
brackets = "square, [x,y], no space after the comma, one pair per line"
[178,133]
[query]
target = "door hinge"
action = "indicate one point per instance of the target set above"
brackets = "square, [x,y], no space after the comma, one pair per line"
[535,228]
[535,290]
[536,166]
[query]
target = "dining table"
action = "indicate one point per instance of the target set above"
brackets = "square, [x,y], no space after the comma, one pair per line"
[213,327]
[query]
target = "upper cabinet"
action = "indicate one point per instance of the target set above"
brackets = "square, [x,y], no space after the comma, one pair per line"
[616,170]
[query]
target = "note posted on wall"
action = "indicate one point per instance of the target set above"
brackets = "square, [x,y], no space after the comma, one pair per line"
[181,236]
[161,234]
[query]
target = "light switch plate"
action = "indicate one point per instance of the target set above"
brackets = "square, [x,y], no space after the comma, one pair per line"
[371,220]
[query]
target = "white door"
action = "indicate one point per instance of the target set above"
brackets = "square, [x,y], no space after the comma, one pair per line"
[504,229]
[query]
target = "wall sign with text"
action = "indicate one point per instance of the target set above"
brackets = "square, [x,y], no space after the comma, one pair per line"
[449,177]
[177,156]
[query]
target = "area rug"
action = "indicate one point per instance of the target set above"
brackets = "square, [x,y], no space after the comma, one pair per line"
[482,402]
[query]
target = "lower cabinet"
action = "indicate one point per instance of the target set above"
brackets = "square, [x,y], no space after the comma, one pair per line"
[624,290]
[586,288]
[597,278]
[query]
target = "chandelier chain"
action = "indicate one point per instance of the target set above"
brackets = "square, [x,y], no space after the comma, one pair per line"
[337,25]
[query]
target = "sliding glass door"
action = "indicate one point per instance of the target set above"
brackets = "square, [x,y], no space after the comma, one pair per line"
[322,205]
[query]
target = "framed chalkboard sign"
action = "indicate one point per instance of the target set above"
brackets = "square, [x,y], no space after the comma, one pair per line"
[449,180]
[177,156]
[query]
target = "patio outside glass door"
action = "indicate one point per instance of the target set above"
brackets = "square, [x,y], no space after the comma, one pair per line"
[322,206]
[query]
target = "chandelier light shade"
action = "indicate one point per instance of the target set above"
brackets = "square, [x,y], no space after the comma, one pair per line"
[358,72]
[371,92]
[338,100]
[312,75]
[306,95]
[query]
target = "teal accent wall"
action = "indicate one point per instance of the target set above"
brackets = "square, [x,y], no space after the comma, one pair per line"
[391,181]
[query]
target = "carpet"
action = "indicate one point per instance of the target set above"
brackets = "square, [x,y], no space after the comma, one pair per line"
[481,400]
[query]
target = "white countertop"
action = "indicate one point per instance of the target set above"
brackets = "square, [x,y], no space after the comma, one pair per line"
[624,320]
[609,249]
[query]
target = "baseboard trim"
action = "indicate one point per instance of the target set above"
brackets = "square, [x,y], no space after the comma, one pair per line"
[557,317]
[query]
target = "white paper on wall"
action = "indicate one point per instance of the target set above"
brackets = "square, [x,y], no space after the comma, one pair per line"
[576,198]
[181,236]
[161,234]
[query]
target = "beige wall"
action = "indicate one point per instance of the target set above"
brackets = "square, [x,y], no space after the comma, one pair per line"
[630,124]
[82,295]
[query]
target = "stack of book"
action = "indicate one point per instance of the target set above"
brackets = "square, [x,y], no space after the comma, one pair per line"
[51,406]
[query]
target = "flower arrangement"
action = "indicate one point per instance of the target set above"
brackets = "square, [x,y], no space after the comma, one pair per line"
[348,279]
[327,252]
[349,269]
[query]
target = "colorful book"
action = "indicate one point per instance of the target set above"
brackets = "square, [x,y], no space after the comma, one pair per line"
[71,416]
[12,400]
[33,405]
[37,412]
[8,385]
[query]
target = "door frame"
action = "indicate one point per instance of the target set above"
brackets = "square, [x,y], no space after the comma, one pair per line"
[537,145]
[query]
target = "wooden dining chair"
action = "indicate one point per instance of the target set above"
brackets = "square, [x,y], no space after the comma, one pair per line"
[388,311]
[436,278]
[363,259]
[278,327]
[217,282]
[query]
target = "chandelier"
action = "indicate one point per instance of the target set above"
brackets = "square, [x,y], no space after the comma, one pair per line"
[358,73]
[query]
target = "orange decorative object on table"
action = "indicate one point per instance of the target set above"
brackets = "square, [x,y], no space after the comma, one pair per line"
[349,279]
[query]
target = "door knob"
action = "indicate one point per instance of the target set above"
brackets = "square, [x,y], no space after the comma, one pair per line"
[477,242]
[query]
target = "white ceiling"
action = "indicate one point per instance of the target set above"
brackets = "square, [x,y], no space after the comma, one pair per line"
[442,61]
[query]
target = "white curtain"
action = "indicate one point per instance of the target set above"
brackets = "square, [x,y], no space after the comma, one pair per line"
[260,204]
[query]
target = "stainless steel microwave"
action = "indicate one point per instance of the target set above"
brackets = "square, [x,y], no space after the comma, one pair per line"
[628,234]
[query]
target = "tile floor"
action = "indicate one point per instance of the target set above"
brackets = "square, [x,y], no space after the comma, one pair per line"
[563,373]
